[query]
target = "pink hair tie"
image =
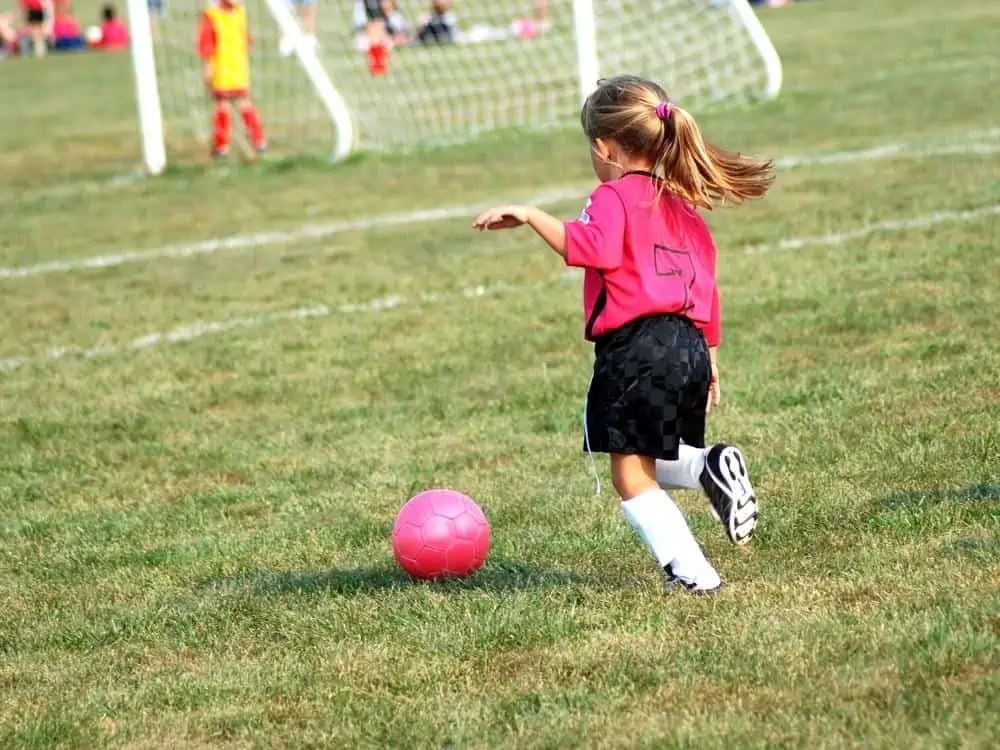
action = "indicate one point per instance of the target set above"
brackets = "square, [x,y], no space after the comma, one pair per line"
[664,110]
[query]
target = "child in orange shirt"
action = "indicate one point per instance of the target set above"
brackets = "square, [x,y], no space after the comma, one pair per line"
[224,45]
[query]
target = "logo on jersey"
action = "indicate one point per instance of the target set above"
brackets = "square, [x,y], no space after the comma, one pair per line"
[584,216]
[669,261]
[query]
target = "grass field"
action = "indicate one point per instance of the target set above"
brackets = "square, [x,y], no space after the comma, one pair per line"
[202,455]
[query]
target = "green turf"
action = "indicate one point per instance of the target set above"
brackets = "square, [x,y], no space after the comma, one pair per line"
[195,544]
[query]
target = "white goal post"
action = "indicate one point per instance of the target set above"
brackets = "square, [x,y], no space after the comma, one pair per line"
[504,65]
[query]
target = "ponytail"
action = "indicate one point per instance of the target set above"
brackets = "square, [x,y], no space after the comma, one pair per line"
[637,114]
[703,174]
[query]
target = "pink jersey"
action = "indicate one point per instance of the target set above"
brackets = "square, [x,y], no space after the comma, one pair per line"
[114,35]
[641,260]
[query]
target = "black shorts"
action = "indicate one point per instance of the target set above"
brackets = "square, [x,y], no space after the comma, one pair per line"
[34,17]
[437,30]
[650,389]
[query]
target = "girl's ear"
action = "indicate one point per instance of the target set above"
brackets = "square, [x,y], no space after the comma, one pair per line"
[602,148]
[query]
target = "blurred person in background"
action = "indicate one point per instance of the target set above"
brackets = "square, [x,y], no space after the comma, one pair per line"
[112,33]
[383,27]
[157,10]
[307,20]
[66,34]
[38,19]
[224,47]
[8,34]
[438,27]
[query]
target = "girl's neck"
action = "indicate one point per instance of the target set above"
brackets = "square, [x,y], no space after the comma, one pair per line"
[636,165]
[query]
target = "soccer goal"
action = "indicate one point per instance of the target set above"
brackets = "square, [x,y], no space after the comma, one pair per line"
[501,65]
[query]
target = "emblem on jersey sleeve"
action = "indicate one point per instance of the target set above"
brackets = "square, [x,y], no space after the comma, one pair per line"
[584,216]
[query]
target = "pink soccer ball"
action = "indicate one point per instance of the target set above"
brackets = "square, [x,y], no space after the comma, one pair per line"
[440,533]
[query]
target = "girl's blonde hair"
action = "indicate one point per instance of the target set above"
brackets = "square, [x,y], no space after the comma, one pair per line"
[639,117]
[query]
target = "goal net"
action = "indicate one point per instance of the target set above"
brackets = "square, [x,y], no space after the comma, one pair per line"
[483,66]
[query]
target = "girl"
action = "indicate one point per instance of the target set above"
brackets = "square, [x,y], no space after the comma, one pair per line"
[652,310]
[224,46]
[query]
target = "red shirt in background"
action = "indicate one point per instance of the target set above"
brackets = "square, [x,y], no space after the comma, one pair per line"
[65,27]
[32,5]
[114,35]
[643,259]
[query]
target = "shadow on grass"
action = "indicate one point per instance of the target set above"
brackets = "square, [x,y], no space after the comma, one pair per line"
[976,493]
[495,576]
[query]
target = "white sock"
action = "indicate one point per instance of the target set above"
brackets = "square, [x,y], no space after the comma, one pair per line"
[660,523]
[685,472]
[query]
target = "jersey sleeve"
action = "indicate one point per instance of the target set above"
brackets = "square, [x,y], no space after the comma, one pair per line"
[597,238]
[206,38]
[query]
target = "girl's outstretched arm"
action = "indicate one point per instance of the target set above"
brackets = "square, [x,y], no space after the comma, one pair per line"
[546,226]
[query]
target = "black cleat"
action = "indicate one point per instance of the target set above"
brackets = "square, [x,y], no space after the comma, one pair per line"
[728,487]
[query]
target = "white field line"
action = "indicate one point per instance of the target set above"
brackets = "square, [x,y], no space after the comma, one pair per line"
[893,150]
[835,239]
[199,329]
[276,237]
[977,143]
[85,187]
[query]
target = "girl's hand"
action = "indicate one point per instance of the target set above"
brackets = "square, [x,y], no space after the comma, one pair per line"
[502,217]
[714,392]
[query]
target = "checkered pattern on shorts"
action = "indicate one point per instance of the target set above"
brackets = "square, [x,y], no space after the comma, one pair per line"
[650,388]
